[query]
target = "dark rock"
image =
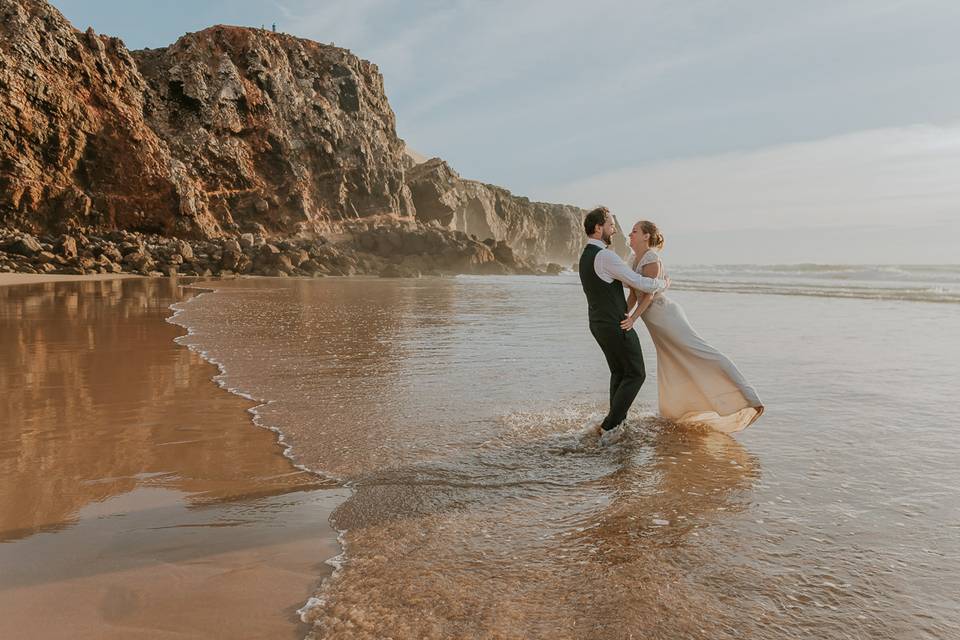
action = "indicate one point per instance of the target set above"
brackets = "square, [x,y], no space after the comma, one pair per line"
[244,264]
[184,249]
[282,263]
[297,256]
[504,253]
[67,246]
[398,271]
[25,245]
[137,260]
[229,261]
[269,251]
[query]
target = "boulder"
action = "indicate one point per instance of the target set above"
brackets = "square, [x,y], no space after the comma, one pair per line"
[67,246]
[25,245]
[137,260]
[554,269]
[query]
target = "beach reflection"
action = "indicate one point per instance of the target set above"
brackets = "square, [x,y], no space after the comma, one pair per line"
[97,402]
[673,480]
[136,497]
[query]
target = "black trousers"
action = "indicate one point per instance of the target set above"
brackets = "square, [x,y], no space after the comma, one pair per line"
[627,373]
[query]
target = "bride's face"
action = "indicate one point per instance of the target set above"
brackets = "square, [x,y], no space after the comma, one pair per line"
[639,240]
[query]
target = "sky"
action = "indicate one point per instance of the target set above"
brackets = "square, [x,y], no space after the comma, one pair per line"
[761,131]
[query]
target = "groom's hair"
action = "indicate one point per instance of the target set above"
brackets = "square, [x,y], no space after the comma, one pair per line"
[596,217]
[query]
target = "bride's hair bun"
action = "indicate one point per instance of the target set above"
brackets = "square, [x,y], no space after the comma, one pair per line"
[656,238]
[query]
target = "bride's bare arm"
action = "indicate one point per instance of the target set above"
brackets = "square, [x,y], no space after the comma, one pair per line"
[651,270]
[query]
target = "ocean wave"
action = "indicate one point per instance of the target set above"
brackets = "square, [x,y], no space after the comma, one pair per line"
[931,294]
[780,280]
[942,274]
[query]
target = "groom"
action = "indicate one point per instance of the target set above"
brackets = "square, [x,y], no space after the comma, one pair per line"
[603,275]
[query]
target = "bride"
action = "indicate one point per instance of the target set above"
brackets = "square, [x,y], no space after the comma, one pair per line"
[695,382]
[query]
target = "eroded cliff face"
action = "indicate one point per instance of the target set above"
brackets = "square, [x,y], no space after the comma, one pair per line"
[276,130]
[74,144]
[536,230]
[225,127]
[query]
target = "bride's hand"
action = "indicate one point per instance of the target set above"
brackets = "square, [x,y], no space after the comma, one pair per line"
[627,324]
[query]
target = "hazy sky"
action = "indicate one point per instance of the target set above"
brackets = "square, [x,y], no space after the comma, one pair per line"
[761,131]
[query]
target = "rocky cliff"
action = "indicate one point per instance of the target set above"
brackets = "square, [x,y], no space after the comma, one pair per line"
[276,130]
[226,126]
[536,231]
[227,131]
[74,144]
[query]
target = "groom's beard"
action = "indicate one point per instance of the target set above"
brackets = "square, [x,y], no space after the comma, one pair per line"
[607,239]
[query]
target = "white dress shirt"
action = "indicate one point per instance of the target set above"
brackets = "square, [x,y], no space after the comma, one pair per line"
[609,267]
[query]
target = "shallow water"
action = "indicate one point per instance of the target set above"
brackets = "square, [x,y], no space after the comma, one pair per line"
[453,409]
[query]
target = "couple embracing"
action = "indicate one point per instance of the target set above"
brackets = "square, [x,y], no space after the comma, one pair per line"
[695,382]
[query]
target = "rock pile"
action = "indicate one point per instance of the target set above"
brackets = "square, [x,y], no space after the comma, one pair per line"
[404,249]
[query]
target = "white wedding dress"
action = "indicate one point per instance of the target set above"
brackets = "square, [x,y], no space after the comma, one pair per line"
[695,382]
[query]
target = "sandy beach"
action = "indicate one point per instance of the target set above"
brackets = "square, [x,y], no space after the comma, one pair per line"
[137,498]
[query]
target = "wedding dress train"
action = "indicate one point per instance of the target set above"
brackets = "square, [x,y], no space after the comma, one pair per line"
[695,382]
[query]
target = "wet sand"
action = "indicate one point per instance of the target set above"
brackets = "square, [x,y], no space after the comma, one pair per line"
[9,279]
[137,499]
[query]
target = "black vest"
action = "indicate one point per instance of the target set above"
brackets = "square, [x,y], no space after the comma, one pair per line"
[605,300]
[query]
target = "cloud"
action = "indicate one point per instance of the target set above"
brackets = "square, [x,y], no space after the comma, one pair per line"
[887,176]
[893,181]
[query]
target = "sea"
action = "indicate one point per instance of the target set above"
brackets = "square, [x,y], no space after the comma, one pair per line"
[415,457]
[454,410]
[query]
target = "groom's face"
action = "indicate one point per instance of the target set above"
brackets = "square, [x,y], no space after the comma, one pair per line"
[609,230]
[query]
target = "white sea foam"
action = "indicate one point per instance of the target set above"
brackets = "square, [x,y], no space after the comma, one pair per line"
[221,380]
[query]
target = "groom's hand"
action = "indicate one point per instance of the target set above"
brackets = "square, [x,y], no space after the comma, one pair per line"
[667,280]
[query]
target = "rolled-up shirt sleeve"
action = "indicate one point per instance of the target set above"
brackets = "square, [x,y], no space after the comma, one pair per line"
[610,267]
